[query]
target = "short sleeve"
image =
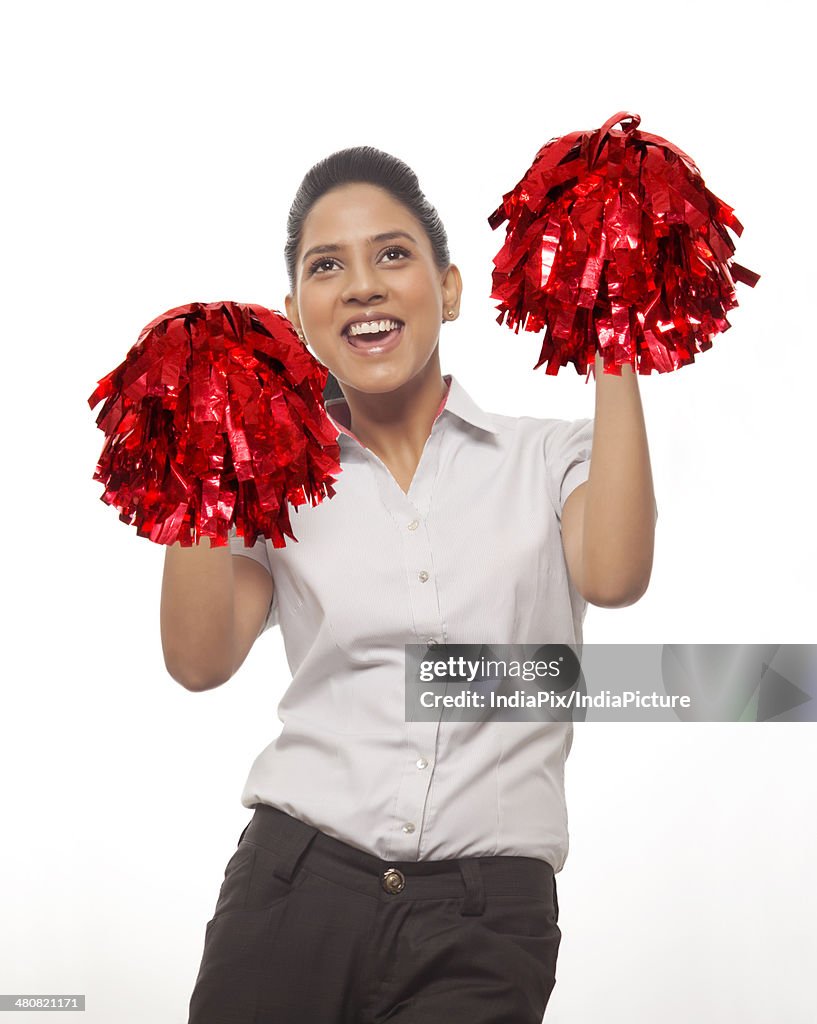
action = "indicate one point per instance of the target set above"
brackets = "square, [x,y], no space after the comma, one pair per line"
[568,446]
[258,552]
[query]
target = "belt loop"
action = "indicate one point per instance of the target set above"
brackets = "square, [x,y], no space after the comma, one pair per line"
[290,846]
[243,831]
[473,903]
[285,836]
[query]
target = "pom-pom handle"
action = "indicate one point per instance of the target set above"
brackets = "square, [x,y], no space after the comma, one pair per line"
[632,122]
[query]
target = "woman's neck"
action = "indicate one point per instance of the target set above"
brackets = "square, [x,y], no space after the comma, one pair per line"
[396,425]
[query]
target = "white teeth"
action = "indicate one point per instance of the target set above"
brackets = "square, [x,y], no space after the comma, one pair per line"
[373,327]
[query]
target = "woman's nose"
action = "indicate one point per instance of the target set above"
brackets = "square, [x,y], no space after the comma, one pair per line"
[362,283]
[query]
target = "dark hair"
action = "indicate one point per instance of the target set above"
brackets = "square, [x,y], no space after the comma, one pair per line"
[367,165]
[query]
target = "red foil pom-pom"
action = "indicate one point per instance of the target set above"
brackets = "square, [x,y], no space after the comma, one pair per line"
[215,418]
[615,245]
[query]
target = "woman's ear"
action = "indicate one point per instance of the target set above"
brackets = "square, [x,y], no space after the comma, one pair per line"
[292,314]
[452,290]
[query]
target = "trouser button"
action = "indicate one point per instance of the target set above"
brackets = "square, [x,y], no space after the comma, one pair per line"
[393,880]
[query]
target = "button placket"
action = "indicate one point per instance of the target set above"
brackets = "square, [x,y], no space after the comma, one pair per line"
[410,514]
[413,788]
[418,552]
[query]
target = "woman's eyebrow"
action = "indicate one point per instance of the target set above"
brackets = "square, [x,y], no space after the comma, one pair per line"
[383,237]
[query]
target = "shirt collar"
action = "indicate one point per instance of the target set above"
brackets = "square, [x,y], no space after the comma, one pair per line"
[457,402]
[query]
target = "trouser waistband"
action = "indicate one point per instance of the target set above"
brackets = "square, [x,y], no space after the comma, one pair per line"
[294,843]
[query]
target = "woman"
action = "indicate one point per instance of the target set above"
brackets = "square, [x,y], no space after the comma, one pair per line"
[397,869]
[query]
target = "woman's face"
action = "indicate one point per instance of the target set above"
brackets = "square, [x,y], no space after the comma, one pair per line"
[348,270]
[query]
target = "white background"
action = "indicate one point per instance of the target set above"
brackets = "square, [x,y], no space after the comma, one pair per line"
[152,152]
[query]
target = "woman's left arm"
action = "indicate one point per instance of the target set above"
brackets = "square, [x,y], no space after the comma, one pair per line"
[608,522]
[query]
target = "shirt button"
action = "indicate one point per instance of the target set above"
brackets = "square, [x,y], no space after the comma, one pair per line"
[423,576]
[414,524]
[409,826]
[421,762]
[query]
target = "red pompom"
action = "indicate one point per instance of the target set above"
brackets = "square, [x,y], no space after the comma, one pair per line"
[615,245]
[215,418]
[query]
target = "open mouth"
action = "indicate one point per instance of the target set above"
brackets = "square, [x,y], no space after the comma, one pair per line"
[374,336]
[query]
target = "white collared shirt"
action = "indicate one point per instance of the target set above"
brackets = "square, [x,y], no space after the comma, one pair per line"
[471,555]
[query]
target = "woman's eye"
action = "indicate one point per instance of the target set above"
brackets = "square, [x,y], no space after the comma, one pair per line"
[319,263]
[395,249]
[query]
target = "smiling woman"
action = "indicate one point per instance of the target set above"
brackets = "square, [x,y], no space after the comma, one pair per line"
[371,308]
[353,279]
[416,231]
[399,879]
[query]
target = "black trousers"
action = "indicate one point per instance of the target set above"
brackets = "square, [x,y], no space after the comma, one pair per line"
[310,930]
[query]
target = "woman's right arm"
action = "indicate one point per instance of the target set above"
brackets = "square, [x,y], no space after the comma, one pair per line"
[212,609]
